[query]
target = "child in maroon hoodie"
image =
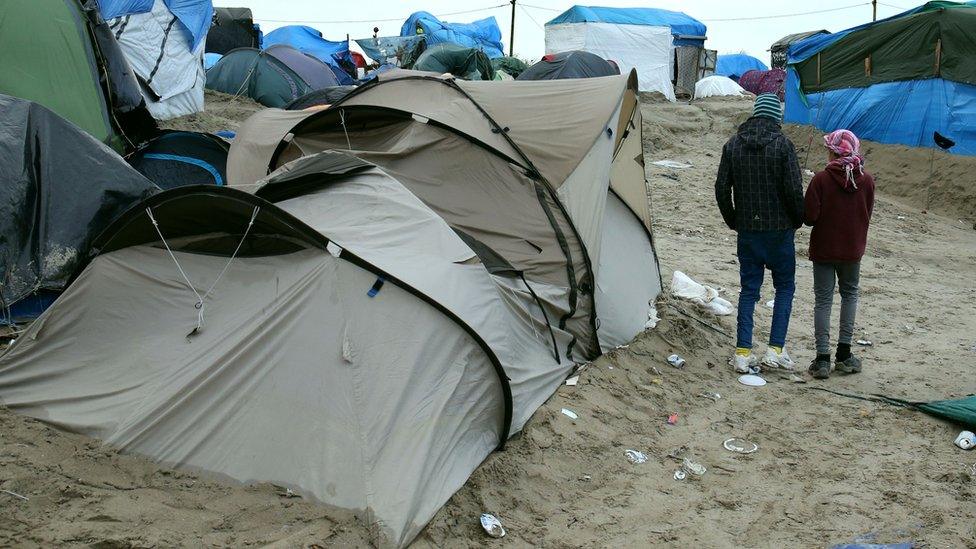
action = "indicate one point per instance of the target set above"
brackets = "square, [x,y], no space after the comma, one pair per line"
[839,203]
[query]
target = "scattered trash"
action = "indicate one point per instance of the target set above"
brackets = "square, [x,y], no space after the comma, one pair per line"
[771,303]
[966,440]
[676,361]
[585,478]
[740,446]
[797,379]
[864,343]
[569,413]
[673,419]
[902,217]
[656,381]
[685,287]
[673,164]
[492,526]
[752,380]
[655,371]
[680,475]
[808,173]
[15,494]
[636,457]
[652,319]
[572,381]
[713,396]
[693,468]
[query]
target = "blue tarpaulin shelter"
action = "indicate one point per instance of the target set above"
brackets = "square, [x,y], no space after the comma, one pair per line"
[737,64]
[310,41]
[195,15]
[895,81]
[482,34]
[687,30]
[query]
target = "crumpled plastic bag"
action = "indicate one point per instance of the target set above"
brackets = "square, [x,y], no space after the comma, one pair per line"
[652,319]
[685,287]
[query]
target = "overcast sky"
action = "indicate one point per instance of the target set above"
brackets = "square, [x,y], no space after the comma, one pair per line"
[733,25]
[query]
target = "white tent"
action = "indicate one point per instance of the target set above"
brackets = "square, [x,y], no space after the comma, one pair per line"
[161,51]
[717,86]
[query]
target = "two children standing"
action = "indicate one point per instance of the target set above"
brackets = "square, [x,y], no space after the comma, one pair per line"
[760,194]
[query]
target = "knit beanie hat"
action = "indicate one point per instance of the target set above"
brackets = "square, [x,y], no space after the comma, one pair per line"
[768,106]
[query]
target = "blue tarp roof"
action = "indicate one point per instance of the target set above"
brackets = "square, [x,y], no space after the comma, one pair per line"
[681,24]
[736,64]
[482,34]
[807,48]
[310,41]
[196,15]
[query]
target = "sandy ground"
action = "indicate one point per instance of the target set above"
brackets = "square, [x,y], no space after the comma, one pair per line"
[828,469]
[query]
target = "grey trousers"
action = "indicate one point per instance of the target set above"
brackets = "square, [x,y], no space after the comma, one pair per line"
[847,276]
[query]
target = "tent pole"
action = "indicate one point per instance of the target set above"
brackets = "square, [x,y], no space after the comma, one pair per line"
[511,36]
[874,10]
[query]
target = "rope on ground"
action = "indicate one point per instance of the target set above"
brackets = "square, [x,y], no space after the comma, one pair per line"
[700,321]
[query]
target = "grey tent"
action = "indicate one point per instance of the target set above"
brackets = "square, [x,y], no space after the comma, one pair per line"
[569,64]
[415,276]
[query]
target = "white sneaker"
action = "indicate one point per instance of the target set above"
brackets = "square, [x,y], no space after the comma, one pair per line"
[778,360]
[745,364]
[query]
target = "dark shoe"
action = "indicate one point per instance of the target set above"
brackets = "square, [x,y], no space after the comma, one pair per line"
[850,366]
[820,369]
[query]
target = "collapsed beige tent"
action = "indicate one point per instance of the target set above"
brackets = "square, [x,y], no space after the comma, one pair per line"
[369,321]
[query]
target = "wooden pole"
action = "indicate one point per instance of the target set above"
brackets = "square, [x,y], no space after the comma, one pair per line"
[874,10]
[511,36]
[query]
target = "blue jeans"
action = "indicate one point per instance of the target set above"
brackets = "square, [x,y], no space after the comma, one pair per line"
[758,251]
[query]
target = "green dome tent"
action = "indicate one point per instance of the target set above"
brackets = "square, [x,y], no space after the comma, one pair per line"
[60,54]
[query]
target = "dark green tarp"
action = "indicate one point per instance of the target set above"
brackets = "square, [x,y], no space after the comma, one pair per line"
[938,41]
[961,411]
[464,63]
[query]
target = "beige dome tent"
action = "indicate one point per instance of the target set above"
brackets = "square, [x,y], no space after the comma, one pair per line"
[376,316]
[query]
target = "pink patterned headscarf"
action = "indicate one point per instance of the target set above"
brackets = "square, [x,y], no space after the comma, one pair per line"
[848,148]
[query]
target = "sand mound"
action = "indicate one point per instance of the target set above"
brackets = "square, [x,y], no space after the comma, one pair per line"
[928,179]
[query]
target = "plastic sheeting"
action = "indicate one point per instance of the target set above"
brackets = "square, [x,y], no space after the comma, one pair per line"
[687,30]
[482,34]
[904,113]
[399,51]
[195,15]
[466,63]
[61,188]
[647,49]
[310,41]
[233,28]
[735,65]
[717,86]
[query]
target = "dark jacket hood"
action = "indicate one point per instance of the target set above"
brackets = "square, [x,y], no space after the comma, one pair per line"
[759,131]
[839,175]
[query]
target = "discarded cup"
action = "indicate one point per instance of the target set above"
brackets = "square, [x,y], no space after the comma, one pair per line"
[570,414]
[676,361]
[492,526]
[693,468]
[966,440]
[636,457]
[673,419]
